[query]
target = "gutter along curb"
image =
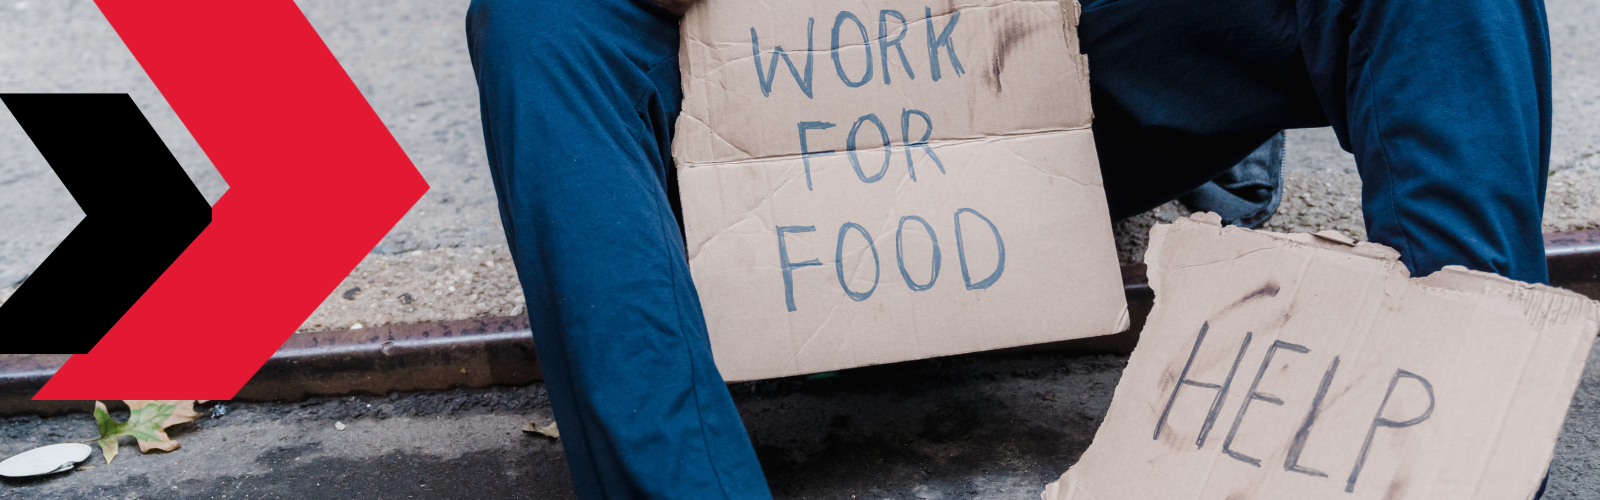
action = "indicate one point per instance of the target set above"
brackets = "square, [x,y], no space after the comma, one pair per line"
[499,351]
[374,360]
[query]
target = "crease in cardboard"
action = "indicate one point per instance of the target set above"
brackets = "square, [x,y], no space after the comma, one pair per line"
[705,129]
[932,143]
[747,214]
[1500,435]
[1023,160]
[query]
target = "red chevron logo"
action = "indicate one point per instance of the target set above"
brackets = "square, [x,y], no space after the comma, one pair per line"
[315,181]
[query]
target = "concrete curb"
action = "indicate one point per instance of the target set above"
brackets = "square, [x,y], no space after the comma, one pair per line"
[1574,260]
[499,351]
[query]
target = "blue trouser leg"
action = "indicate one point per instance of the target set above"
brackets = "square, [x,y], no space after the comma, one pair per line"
[578,102]
[1445,104]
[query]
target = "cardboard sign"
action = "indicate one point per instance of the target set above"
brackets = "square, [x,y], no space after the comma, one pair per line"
[878,181]
[1310,367]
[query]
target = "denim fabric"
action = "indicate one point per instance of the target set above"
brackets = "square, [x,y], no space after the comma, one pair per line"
[1247,194]
[578,101]
[1445,104]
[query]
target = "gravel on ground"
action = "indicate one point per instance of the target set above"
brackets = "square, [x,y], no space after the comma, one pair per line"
[423,285]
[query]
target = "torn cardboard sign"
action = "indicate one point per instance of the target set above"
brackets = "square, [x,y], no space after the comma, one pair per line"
[866,182]
[1307,366]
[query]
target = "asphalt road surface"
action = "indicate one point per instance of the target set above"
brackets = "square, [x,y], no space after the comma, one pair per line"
[986,426]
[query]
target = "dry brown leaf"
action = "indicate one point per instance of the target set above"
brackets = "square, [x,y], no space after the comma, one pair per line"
[533,427]
[147,423]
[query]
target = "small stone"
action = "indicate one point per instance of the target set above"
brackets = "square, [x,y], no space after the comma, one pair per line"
[338,425]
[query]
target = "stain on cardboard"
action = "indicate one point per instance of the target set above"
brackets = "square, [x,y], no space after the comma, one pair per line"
[1014,28]
[1168,378]
[1396,490]
[1171,440]
[1268,290]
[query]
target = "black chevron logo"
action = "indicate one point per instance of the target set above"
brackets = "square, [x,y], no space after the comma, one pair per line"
[141,212]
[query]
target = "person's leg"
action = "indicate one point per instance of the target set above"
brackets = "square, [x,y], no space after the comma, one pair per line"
[1446,105]
[578,103]
[1247,194]
[1183,90]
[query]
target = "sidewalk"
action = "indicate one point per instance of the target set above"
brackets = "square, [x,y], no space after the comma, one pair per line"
[447,259]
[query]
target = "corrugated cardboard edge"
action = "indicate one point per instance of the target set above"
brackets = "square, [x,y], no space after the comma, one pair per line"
[1540,304]
[1072,12]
